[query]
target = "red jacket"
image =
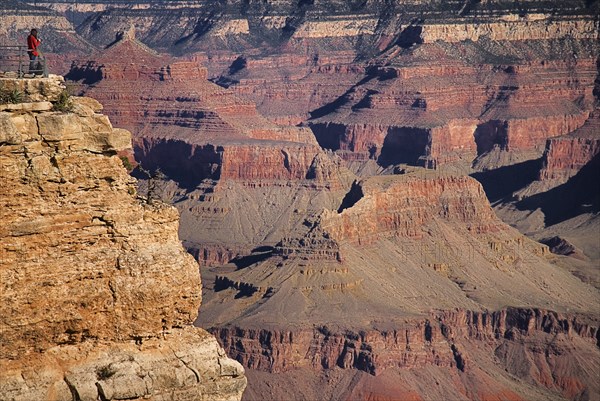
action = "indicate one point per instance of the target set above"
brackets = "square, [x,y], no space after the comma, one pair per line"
[32,45]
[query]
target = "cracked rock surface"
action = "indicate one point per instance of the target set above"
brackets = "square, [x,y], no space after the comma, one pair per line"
[97,293]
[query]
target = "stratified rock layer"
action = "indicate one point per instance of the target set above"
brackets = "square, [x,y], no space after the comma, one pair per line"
[201,135]
[96,287]
[412,273]
[416,272]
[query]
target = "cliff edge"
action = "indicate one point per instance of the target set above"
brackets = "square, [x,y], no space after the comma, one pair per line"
[98,295]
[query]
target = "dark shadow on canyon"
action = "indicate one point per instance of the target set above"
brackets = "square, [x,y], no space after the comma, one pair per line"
[184,163]
[500,183]
[257,255]
[403,145]
[580,194]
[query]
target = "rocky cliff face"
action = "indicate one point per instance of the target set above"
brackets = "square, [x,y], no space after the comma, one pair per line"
[565,156]
[438,115]
[429,359]
[403,207]
[97,291]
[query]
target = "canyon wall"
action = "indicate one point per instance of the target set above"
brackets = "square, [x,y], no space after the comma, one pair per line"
[565,156]
[426,342]
[427,360]
[387,206]
[470,78]
[207,140]
[443,282]
[98,295]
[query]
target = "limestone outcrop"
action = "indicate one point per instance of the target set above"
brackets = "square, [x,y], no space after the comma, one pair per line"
[98,295]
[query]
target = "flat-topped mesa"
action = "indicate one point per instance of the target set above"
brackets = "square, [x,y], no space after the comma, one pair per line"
[403,206]
[90,271]
[291,162]
[249,162]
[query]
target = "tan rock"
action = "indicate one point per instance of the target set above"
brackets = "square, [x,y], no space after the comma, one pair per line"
[59,127]
[26,124]
[8,132]
[95,286]
[187,364]
[35,89]
[34,106]
[86,102]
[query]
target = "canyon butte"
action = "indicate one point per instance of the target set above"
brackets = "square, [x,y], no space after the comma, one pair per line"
[388,200]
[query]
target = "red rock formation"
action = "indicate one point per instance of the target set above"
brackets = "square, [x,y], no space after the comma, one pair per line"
[194,130]
[373,266]
[420,343]
[404,206]
[161,99]
[431,115]
[362,257]
[244,160]
[447,340]
[566,155]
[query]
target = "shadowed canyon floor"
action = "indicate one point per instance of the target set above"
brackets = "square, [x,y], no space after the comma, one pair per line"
[388,200]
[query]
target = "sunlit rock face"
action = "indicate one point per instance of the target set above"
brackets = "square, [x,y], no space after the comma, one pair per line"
[98,295]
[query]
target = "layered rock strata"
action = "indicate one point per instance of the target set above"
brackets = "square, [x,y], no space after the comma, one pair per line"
[207,140]
[416,83]
[565,156]
[427,83]
[422,364]
[389,236]
[97,292]
[427,116]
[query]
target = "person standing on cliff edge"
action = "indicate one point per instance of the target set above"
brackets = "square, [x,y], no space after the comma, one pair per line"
[32,49]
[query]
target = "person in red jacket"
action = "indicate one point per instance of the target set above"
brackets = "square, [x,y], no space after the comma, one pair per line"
[32,49]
